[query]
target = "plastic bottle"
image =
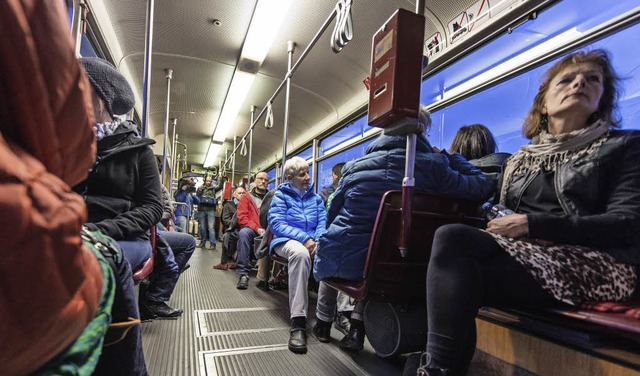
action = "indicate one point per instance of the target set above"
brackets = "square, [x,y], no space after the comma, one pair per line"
[495,211]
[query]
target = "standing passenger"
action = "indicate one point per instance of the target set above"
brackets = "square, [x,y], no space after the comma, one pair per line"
[297,219]
[207,213]
[576,194]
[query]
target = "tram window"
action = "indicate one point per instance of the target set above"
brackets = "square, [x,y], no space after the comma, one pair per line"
[306,154]
[503,112]
[325,166]
[354,130]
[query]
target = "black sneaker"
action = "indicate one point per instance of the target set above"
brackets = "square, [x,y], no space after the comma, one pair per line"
[202,245]
[243,282]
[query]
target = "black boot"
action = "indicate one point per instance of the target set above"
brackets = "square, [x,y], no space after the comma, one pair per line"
[298,335]
[418,364]
[162,310]
[322,331]
[354,341]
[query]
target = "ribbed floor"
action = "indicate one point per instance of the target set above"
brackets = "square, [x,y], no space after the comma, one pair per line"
[226,331]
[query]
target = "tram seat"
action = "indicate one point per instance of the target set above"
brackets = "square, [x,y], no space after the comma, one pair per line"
[146,268]
[584,337]
[387,275]
[393,287]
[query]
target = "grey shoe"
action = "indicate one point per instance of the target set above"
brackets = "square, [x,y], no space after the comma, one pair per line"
[243,282]
[342,323]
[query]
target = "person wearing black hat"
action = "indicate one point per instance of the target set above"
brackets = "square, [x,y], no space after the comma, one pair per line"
[123,198]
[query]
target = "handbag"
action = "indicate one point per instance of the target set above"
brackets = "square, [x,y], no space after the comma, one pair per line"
[261,245]
[211,201]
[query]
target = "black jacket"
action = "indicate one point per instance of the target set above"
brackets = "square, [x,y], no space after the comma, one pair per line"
[229,209]
[122,192]
[600,196]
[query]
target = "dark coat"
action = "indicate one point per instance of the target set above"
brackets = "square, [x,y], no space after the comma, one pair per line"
[122,192]
[343,248]
[228,213]
[491,165]
[600,196]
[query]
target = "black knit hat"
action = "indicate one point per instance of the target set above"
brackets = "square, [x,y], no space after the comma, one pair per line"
[112,87]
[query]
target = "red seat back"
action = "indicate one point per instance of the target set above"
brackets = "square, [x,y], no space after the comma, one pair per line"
[387,274]
[146,269]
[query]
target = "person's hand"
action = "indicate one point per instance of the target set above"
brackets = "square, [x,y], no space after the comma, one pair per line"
[311,246]
[261,231]
[512,226]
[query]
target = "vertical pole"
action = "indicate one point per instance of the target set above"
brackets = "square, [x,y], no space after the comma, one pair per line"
[291,45]
[253,114]
[77,24]
[408,183]
[174,157]
[233,161]
[169,75]
[146,81]
[314,164]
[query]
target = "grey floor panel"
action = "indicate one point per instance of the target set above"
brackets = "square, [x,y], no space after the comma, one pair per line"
[278,360]
[236,320]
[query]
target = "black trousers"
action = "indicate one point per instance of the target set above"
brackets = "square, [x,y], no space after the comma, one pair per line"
[468,270]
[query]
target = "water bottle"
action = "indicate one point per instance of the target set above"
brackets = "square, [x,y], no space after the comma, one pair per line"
[495,211]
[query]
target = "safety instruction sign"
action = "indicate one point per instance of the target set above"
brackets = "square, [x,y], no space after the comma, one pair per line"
[433,44]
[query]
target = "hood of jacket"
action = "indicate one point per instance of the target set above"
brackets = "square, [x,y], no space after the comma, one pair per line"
[125,137]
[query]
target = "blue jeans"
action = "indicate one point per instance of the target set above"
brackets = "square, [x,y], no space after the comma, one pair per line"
[182,224]
[182,246]
[125,357]
[245,247]
[165,271]
[136,251]
[207,222]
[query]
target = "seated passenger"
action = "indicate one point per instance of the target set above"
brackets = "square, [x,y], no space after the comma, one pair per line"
[476,143]
[345,305]
[122,190]
[351,216]
[56,295]
[230,230]
[297,219]
[249,222]
[575,191]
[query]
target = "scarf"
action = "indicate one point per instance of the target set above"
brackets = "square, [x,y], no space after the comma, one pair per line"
[548,151]
[106,129]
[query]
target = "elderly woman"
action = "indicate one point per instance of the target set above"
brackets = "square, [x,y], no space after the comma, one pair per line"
[575,191]
[297,219]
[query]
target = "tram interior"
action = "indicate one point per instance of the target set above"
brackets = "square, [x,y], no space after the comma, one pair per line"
[480,71]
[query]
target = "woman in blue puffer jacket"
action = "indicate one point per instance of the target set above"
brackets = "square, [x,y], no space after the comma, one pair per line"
[297,218]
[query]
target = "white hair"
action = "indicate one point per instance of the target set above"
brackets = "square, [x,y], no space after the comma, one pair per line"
[293,166]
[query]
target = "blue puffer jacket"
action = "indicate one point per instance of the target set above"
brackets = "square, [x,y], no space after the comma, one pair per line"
[188,200]
[295,217]
[343,247]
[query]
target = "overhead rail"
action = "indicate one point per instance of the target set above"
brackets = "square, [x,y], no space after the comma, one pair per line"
[291,70]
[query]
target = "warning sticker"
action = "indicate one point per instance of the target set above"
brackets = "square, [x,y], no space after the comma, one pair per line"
[477,14]
[383,46]
[434,44]
[458,27]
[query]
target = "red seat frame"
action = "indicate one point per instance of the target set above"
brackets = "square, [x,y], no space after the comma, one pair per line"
[146,268]
[387,274]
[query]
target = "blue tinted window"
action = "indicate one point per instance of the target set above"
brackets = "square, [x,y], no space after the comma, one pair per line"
[324,167]
[356,130]
[503,108]
[306,154]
